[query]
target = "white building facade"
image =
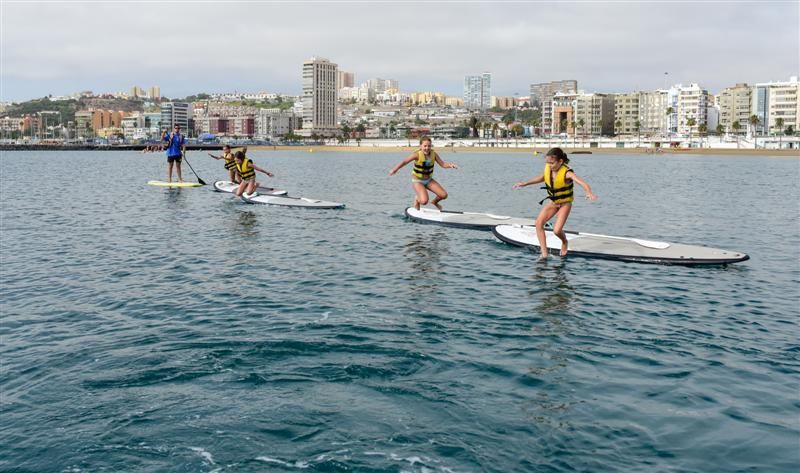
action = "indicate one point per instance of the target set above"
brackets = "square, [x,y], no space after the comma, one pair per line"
[478,91]
[319,96]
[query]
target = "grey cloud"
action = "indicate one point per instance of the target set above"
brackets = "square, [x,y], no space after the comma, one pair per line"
[188,48]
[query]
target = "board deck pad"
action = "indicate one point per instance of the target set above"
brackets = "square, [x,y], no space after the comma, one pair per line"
[287,201]
[619,248]
[228,186]
[474,220]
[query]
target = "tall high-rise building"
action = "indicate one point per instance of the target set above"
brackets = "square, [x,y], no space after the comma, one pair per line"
[627,113]
[319,96]
[176,113]
[478,91]
[542,97]
[344,79]
[155,92]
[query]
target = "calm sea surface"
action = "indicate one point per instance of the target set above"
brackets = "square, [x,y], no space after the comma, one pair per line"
[155,330]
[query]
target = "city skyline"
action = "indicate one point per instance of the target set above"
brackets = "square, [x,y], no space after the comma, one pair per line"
[430,48]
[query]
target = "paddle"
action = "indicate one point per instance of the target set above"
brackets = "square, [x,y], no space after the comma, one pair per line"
[202,182]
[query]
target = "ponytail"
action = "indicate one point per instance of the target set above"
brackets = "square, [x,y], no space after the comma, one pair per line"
[559,154]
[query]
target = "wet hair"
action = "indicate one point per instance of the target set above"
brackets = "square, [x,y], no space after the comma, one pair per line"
[239,155]
[226,146]
[559,154]
[424,139]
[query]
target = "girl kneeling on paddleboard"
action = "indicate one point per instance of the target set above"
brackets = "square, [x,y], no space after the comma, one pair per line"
[247,173]
[558,179]
[422,174]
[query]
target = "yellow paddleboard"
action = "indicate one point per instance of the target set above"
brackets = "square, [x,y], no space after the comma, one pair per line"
[174,184]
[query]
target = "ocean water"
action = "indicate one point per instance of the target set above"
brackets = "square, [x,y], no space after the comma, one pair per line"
[179,330]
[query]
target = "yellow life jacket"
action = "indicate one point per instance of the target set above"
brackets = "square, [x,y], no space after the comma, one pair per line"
[560,191]
[245,170]
[230,163]
[423,168]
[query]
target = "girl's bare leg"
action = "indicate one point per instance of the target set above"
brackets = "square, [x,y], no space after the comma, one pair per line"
[420,194]
[169,171]
[545,215]
[240,189]
[437,189]
[558,229]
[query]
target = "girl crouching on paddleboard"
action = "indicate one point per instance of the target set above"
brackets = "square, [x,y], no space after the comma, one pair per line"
[247,172]
[422,174]
[230,162]
[558,179]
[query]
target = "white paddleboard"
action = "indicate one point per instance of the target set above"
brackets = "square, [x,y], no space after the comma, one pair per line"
[228,186]
[591,245]
[473,220]
[286,201]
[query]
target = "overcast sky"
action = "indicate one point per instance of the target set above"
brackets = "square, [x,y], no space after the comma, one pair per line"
[189,47]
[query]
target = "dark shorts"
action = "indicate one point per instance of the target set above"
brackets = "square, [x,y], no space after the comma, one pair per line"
[171,159]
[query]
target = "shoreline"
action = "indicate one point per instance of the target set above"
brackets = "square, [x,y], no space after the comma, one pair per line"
[578,150]
[444,150]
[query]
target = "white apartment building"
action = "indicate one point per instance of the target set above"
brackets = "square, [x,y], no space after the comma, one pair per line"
[773,100]
[478,91]
[692,104]
[653,112]
[319,96]
[541,95]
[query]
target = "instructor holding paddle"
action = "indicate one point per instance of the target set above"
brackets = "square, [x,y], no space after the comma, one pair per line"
[176,146]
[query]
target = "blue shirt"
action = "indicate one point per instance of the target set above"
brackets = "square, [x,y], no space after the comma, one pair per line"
[176,142]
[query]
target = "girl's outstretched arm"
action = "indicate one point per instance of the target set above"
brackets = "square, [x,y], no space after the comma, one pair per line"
[402,163]
[584,184]
[444,164]
[262,170]
[535,180]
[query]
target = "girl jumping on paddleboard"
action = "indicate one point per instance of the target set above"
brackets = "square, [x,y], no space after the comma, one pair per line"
[558,179]
[230,161]
[422,174]
[247,172]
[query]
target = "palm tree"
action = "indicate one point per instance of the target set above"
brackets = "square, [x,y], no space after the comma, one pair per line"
[582,125]
[779,124]
[638,126]
[617,127]
[574,127]
[719,129]
[702,129]
[736,127]
[754,122]
[691,122]
[670,111]
[790,130]
[408,136]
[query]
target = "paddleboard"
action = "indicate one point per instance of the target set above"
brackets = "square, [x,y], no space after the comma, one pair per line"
[473,220]
[290,201]
[634,250]
[228,186]
[173,184]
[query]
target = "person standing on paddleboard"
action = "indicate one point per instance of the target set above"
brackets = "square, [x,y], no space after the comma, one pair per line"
[247,172]
[230,162]
[422,174]
[176,146]
[558,179]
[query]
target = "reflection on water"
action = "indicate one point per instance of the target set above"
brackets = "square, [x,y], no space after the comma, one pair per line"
[550,284]
[246,223]
[175,196]
[424,253]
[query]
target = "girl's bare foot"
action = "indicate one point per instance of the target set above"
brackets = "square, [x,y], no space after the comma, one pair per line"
[438,205]
[564,249]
